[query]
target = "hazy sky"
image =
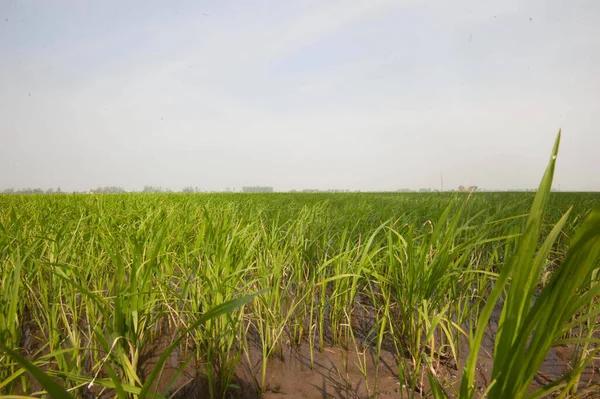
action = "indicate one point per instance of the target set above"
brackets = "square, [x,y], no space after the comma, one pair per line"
[370,95]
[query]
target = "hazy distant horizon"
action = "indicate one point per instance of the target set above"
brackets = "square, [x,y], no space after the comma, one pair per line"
[236,190]
[371,96]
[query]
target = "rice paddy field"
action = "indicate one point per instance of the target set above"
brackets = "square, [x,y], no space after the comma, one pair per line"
[353,295]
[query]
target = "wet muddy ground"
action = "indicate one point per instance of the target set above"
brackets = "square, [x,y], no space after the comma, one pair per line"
[336,373]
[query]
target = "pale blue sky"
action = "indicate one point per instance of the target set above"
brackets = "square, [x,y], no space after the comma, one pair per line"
[370,95]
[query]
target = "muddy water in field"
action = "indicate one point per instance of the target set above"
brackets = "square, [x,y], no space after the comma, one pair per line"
[335,373]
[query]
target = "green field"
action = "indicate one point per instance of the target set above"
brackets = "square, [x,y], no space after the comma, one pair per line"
[93,283]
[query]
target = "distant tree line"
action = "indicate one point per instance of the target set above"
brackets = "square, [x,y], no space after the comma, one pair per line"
[108,190]
[153,189]
[99,190]
[247,189]
[29,190]
[190,189]
[257,189]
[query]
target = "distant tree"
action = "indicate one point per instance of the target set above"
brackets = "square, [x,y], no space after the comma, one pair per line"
[257,189]
[188,189]
[151,189]
[108,190]
[50,191]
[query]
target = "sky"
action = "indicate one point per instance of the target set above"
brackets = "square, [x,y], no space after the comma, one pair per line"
[350,94]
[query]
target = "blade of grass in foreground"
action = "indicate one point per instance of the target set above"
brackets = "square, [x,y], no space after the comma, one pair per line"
[52,387]
[517,268]
[529,326]
[552,310]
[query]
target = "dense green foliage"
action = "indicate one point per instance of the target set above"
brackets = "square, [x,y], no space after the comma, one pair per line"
[91,282]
